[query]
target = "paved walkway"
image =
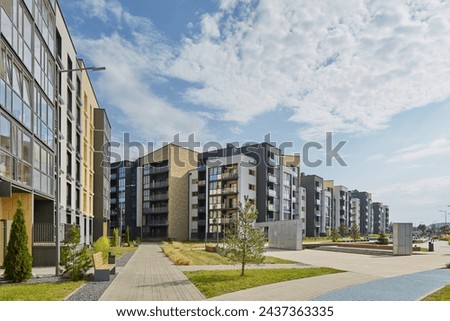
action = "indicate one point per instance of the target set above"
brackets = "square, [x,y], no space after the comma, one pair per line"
[150,276]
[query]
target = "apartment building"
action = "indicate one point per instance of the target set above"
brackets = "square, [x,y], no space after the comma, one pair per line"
[302,205]
[315,225]
[216,190]
[44,127]
[380,217]
[341,205]
[162,192]
[102,139]
[123,199]
[355,211]
[365,211]
[265,172]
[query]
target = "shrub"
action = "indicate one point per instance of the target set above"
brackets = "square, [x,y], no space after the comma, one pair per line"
[382,239]
[448,265]
[75,260]
[18,260]
[127,236]
[115,240]
[102,245]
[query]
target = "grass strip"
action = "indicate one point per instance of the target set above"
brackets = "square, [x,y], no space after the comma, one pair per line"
[215,283]
[38,292]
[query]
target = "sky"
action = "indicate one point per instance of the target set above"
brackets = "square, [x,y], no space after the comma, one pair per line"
[373,74]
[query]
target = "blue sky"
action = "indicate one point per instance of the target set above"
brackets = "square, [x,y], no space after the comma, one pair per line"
[376,74]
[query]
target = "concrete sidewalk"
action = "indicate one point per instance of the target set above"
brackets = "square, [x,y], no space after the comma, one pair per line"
[150,276]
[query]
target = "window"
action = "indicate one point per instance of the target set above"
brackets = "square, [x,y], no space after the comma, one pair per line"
[194,206]
[252,187]
[252,172]
[194,194]
[5,133]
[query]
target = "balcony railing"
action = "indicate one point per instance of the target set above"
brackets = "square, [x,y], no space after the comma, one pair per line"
[230,176]
[157,223]
[156,210]
[271,192]
[272,178]
[43,234]
[158,197]
[159,184]
[161,169]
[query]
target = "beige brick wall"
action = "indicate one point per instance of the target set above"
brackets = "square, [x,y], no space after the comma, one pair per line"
[181,162]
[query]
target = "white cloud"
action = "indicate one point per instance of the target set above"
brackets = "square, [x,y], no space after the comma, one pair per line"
[346,66]
[420,192]
[133,67]
[416,152]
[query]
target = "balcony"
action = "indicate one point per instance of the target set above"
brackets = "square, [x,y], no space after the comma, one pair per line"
[229,190]
[156,210]
[272,178]
[270,207]
[157,223]
[271,192]
[271,162]
[159,184]
[158,197]
[161,169]
[231,206]
[229,176]
[201,196]
[202,183]
[215,206]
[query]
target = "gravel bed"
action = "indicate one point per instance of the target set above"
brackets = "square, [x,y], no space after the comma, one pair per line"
[92,291]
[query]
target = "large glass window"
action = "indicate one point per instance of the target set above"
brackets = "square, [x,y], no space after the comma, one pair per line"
[5,165]
[5,133]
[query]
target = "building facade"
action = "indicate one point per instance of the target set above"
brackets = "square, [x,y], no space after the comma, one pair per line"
[124,198]
[44,127]
[162,192]
[217,189]
[102,139]
[365,211]
[313,185]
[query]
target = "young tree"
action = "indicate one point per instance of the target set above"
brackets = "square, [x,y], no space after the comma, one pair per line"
[382,239]
[334,234]
[243,242]
[18,260]
[115,240]
[127,236]
[354,232]
[76,261]
[343,230]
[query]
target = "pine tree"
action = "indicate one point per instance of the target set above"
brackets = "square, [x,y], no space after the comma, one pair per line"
[18,260]
[334,234]
[115,240]
[243,242]
[76,260]
[127,236]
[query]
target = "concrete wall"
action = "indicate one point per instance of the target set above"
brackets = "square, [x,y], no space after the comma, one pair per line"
[402,238]
[284,234]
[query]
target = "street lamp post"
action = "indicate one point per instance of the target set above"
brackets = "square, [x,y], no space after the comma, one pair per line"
[57,159]
[445,213]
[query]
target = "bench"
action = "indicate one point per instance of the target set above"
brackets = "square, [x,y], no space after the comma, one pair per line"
[102,270]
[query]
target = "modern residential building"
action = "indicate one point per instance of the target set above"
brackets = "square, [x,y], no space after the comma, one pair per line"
[124,197]
[216,190]
[27,119]
[45,136]
[341,205]
[302,205]
[102,139]
[380,217]
[355,211]
[314,216]
[264,171]
[365,211]
[162,192]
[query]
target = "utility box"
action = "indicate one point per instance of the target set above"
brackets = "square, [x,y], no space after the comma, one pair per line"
[403,239]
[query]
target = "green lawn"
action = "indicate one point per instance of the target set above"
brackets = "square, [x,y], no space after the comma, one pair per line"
[440,295]
[117,251]
[38,292]
[214,283]
[193,253]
